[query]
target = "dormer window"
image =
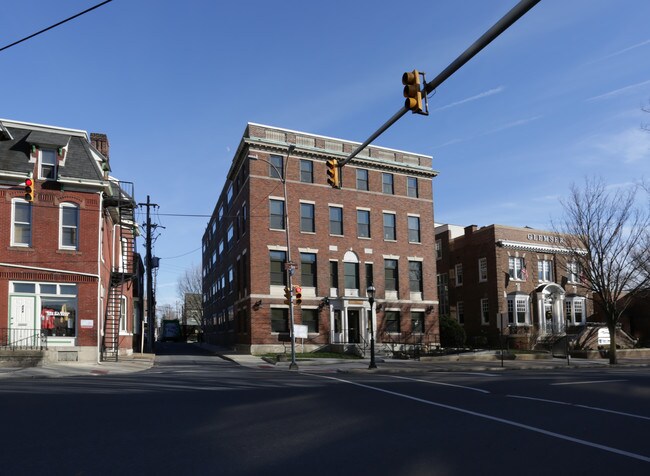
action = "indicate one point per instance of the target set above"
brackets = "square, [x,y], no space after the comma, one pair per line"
[47,164]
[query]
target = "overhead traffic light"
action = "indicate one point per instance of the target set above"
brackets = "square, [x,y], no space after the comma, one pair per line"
[412,91]
[287,295]
[29,190]
[333,173]
[298,291]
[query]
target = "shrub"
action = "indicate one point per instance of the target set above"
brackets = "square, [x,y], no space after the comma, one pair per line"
[452,333]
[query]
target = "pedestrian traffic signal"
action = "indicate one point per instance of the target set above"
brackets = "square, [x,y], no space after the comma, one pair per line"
[298,291]
[412,91]
[333,173]
[29,190]
[287,295]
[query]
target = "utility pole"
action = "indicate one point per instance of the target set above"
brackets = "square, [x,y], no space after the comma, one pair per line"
[151,308]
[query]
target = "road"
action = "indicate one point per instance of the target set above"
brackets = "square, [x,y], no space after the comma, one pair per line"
[194,413]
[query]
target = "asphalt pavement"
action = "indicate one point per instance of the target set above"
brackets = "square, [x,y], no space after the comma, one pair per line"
[467,362]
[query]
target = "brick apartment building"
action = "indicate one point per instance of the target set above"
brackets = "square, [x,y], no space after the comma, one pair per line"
[69,280]
[377,229]
[524,275]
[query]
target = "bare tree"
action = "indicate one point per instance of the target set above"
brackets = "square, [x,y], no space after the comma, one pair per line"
[189,289]
[606,233]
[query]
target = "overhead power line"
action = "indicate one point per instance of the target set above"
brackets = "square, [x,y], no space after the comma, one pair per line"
[55,25]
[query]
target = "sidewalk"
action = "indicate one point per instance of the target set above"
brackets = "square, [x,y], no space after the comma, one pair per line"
[125,365]
[481,362]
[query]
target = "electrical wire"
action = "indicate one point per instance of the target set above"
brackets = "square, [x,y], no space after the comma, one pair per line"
[55,25]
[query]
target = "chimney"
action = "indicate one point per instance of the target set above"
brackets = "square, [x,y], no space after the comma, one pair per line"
[100,142]
[470,229]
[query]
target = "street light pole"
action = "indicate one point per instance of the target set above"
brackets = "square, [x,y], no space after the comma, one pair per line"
[289,269]
[370,291]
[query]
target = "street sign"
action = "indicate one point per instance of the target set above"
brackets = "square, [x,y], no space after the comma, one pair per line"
[603,336]
[300,331]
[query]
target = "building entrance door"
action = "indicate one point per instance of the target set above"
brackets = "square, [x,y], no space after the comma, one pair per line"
[23,320]
[354,329]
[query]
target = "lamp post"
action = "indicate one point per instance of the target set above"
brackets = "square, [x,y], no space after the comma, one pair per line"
[288,267]
[370,291]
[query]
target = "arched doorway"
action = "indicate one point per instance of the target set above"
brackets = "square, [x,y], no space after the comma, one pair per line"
[550,309]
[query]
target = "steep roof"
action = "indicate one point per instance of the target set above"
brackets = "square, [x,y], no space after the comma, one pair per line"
[82,164]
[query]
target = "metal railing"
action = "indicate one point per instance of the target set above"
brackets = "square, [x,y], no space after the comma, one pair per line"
[20,339]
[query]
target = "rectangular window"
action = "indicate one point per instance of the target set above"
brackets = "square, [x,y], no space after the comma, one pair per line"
[417,322]
[308,269]
[307,221]
[276,166]
[276,218]
[306,171]
[244,218]
[460,312]
[362,179]
[22,224]
[310,319]
[369,275]
[482,269]
[59,316]
[517,310]
[387,183]
[363,223]
[414,229]
[392,319]
[415,276]
[485,311]
[230,236]
[442,281]
[279,320]
[391,275]
[574,271]
[438,249]
[389,227]
[47,169]
[412,187]
[459,274]
[229,195]
[336,221]
[278,276]
[545,270]
[351,277]
[517,268]
[334,274]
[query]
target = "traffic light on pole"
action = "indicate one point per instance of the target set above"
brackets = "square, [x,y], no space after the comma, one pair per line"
[333,173]
[29,190]
[298,291]
[287,295]
[412,91]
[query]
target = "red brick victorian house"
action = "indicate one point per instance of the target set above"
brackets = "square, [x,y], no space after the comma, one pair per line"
[69,279]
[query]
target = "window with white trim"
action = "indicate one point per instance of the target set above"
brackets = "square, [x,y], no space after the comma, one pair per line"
[459,274]
[482,270]
[21,229]
[574,271]
[276,214]
[47,164]
[460,312]
[414,229]
[517,268]
[575,310]
[545,270]
[485,311]
[518,312]
[69,229]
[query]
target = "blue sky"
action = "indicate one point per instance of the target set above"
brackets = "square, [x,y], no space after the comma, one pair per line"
[555,98]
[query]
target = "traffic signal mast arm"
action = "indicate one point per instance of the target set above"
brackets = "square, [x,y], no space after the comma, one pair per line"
[499,27]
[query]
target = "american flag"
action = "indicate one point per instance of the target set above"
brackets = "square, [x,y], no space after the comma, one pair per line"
[524,272]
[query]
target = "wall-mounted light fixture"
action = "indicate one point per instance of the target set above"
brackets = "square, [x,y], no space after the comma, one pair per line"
[429,309]
[257,305]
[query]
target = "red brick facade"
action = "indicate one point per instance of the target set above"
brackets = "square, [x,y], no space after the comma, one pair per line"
[55,289]
[342,312]
[518,273]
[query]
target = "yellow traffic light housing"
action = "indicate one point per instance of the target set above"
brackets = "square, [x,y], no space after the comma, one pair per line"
[333,173]
[298,291]
[287,295]
[412,91]
[29,190]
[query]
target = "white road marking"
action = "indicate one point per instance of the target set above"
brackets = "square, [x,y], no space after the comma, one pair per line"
[538,399]
[587,382]
[442,383]
[552,434]
[633,415]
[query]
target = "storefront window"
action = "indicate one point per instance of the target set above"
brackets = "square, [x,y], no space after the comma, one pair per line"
[59,316]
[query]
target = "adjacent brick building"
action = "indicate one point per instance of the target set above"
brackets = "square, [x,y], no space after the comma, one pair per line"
[377,229]
[522,275]
[69,280]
